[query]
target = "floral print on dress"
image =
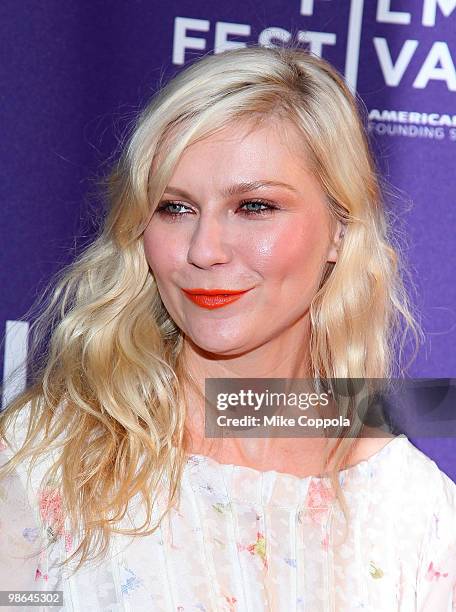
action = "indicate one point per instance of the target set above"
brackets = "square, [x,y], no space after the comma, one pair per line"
[433,574]
[258,548]
[375,572]
[31,534]
[40,576]
[319,499]
[50,505]
[221,507]
[51,513]
[231,601]
[131,581]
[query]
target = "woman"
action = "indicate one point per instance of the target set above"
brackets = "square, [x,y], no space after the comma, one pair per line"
[248,175]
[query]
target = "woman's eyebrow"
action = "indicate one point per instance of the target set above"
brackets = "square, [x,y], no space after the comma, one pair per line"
[236,188]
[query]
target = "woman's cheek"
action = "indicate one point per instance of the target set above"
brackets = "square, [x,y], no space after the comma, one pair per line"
[281,251]
[164,255]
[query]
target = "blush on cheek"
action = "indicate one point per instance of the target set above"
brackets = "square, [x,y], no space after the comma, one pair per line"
[290,249]
[162,252]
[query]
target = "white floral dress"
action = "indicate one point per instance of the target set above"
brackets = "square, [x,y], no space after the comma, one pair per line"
[243,540]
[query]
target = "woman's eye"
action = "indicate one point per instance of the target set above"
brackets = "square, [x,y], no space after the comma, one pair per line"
[255,207]
[171,209]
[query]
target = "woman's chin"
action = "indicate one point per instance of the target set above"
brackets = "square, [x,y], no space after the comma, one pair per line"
[226,347]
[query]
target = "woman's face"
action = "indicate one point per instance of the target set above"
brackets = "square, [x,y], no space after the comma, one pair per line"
[241,212]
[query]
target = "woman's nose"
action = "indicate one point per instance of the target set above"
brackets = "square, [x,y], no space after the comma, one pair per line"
[209,243]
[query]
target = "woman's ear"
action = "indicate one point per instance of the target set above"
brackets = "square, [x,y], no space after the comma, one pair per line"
[336,241]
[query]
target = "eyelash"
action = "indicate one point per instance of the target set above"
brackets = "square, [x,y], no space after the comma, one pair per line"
[162,208]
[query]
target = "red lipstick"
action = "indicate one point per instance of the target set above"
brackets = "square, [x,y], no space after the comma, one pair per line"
[213,298]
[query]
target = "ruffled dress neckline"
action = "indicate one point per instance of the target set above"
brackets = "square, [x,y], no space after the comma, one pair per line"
[228,482]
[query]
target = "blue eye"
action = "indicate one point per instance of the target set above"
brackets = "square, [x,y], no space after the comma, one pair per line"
[164,208]
[268,207]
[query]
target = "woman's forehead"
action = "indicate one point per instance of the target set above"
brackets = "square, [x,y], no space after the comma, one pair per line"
[274,148]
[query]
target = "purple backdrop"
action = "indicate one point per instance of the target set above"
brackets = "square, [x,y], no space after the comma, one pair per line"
[76,73]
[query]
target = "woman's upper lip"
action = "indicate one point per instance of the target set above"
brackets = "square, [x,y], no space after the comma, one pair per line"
[199,291]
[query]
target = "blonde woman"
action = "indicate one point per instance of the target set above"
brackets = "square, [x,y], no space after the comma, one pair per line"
[245,238]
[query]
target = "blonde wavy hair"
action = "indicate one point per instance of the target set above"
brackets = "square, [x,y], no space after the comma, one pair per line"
[107,373]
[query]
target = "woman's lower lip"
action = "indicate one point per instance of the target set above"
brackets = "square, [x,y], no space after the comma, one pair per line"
[213,301]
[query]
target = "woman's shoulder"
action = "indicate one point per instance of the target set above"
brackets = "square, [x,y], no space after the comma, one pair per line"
[27,513]
[426,492]
[432,496]
[412,475]
[29,479]
[425,472]
[402,484]
[13,441]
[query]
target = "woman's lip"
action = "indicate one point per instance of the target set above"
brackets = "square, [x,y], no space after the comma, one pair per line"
[214,298]
[214,291]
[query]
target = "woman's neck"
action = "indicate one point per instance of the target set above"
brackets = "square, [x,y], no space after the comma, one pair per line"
[285,357]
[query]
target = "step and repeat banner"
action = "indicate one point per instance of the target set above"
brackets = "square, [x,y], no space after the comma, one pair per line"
[76,73]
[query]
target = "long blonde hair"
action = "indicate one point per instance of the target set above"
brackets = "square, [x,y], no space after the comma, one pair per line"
[106,367]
